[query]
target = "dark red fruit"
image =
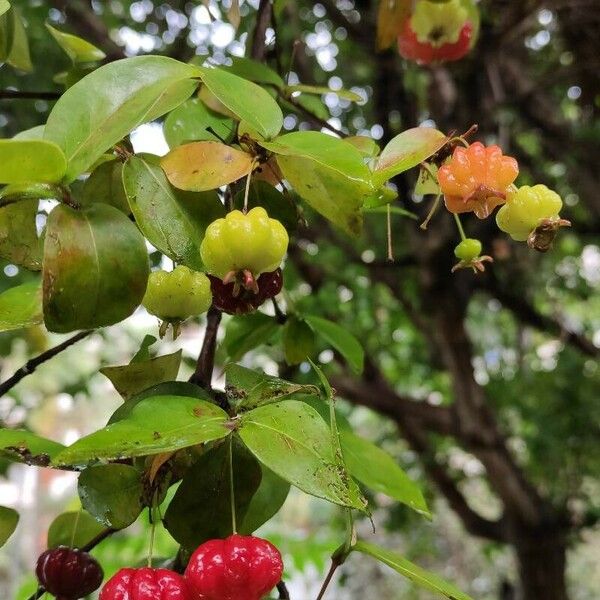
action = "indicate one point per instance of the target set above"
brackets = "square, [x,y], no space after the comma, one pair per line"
[68,573]
[146,584]
[237,568]
[246,300]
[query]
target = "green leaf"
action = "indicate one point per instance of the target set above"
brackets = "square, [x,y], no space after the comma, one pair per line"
[406,151]
[427,184]
[95,268]
[23,446]
[245,99]
[204,166]
[23,161]
[105,185]
[9,518]
[191,122]
[112,494]
[154,425]
[19,241]
[137,376]
[244,333]
[17,192]
[168,388]
[341,339]
[76,48]
[320,90]
[326,172]
[19,56]
[292,439]
[33,133]
[6,34]
[202,512]
[395,210]
[298,341]
[75,528]
[249,389]
[416,574]
[266,502]
[106,105]
[379,471]
[172,220]
[254,71]
[21,306]
[365,145]
[4,6]
[143,354]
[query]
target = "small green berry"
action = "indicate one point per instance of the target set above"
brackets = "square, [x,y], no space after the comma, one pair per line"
[468,249]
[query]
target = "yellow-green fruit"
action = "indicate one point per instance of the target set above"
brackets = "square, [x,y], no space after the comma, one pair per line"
[438,23]
[251,241]
[525,208]
[177,295]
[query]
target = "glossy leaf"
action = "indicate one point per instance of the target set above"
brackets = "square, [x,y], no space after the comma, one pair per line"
[102,108]
[33,133]
[172,220]
[365,145]
[21,306]
[416,574]
[341,339]
[193,121]
[204,166]
[112,494]
[19,240]
[22,161]
[199,513]
[320,90]
[9,519]
[248,101]
[19,56]
[6,34]
[105,185]
[406,151]
[298,341]
[292,439]
[254,71]
[19,445]
[76,48]
[75,528]
[137,376]
[154,425]
[249,389]
[95,268]
[4,6]
[326,172]
[266,502]
[380,472]
[243,334]
[17,192]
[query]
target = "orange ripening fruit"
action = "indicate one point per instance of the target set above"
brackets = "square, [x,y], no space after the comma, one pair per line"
[476,179]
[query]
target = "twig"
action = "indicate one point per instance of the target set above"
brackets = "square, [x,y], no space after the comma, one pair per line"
[263,20]
[284,594]
[314,118]
[86,548]
[335,563]
[206,360]
[21,95]
[31,365]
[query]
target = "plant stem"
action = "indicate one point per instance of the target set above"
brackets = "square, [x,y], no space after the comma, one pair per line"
[461,231]
[31,365]
[247,190]
[231,486]
[152,537]
[284,594]
[434,207]
[206,360]
[390,250]
[335,563]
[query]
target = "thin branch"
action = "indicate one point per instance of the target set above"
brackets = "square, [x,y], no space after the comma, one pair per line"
[31,365]
[263,20]
[22,95]
[316,120]
[335,563]
[284,594]
[206,360]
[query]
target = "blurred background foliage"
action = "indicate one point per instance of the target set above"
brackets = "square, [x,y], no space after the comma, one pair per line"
[532,84]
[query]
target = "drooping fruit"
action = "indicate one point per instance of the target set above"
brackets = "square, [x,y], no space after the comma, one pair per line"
[68,573]
[236,568]
[146,584]
[477,179]
[468,249]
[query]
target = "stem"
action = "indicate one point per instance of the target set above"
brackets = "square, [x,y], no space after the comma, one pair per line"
[460,227]
[247,190]
[20,95]
[433,210]
[314,118]
[335,563]
[390,250]
[263,20]
[152,537]
[284,594]
[206,360]
[75,527]
[231,486]
[31,365]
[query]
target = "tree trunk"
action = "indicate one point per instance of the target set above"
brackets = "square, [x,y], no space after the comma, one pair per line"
[541,555]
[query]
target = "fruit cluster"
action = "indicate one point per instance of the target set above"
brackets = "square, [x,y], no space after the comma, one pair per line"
[437,32]
[236,568]
[478,179]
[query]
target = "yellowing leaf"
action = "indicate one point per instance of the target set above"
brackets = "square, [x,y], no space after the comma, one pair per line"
[202,166]
[389,19]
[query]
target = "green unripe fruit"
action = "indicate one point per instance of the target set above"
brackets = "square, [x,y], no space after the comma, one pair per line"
[526,208]
[177,295]
[468,249]
[252,242]
[438,23]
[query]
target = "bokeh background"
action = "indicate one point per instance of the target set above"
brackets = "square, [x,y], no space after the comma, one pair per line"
[523,338]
